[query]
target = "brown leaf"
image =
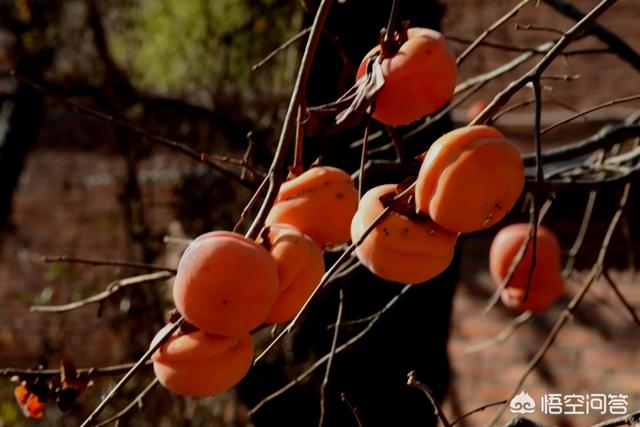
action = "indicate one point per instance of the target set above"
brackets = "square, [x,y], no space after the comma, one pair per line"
[348,110]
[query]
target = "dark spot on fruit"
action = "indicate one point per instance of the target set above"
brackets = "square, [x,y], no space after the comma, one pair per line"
[339,196]
[225,301]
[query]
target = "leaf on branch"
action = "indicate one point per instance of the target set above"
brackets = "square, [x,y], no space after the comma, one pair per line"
[348,110]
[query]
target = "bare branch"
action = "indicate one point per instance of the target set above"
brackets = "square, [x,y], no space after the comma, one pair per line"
[135,403]
[413,382]
[616,44]
[332,352]
[460,59]
[116,121]
[112,288]
[98,262]
[623,300]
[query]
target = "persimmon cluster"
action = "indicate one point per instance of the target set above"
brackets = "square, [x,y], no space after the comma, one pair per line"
[227,285]
[469,178]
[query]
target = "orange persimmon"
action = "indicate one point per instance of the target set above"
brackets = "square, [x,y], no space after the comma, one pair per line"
[300,268]
[470,179]
[419,79]
[320,203]
[31,405]
[201,364]
[226,284]
[547,284]
[399,248]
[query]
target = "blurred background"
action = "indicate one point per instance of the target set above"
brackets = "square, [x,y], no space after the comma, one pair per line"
[72,184]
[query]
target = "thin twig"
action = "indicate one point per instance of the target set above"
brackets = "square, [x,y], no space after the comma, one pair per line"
[123,124]
[478,409]
[625,420]
[363,154]
[616,44]
[280,48]
[131,372]
[460,59]
[332,352]
[375,315]
[105,371]
[112,289]
[98,262]
[413,382]
[539,194]
[623,300]
[534,73]
[136,402]
[352,408]
[590,110]
[529,27]
[502,336]
[251,203]
[521,49]
[325,358]
[582,232]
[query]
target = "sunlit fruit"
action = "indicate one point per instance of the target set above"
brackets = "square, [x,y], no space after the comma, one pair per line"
[470,179]
[300,268]
[400,248]
[320,203]
[200,364]
[419,79]
[226,284]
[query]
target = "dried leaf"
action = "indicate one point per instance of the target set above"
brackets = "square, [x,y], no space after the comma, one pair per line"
[348,110]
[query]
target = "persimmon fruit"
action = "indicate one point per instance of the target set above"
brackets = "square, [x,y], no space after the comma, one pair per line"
[300,267]
[226,284]
[201,364]
[31,405]
[470,179]
[320,203]
[399,248]
[419,79]
[547,284]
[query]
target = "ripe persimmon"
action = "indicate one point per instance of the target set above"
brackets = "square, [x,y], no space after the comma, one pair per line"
[226,284]
[300,268]
[419,79]
[201,364]
[320,203]
[547,284]
[399,248]
[31,405]
[470,179]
